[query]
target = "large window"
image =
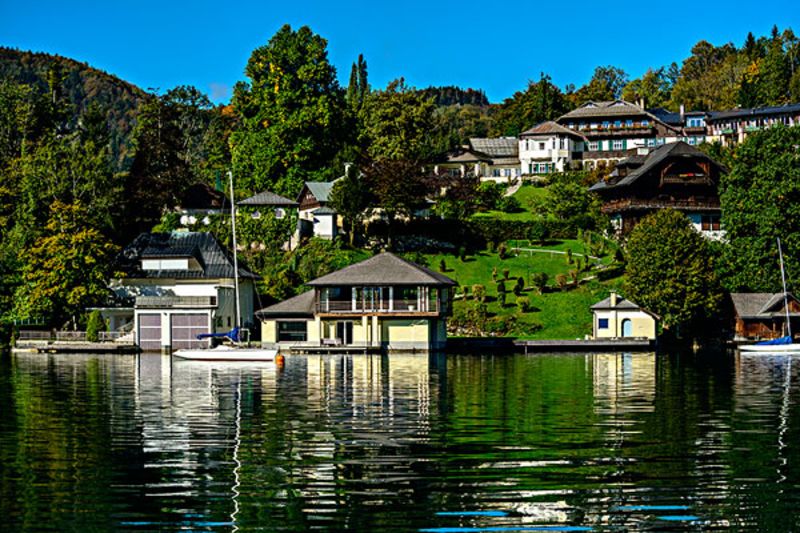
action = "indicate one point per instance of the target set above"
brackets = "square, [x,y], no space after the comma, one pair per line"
[602,323]
[593,146]
[292,331]
[618,144]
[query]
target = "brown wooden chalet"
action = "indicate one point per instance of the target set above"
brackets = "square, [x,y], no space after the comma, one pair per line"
[762,315]
[675,175]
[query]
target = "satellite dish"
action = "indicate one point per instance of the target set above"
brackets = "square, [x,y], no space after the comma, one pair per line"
[255,215]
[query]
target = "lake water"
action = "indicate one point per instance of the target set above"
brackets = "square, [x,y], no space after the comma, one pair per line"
[610,442]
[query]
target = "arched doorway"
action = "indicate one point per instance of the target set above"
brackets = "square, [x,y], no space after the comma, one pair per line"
[627,328]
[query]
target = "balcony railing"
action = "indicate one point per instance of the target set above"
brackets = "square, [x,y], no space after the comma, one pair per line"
[163,302]
[659,203]
[397,306]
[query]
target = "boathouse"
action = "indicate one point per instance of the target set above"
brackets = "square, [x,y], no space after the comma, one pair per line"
[762,315]
[178,285]
[384,302]
[618,318]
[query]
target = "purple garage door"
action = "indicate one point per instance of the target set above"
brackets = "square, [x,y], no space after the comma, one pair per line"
[150,332]
[186,328]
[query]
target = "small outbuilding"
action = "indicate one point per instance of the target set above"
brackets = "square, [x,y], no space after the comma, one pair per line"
[762,315]
[618,318]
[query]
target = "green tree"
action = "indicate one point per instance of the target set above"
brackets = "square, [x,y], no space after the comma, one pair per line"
[760,199]
[66,269]
[94,325]
[653,87]
[541,101]
[606,84]
[397,123]
[397,187]
[350,199]
[358,88]
[671,273]
[291,114]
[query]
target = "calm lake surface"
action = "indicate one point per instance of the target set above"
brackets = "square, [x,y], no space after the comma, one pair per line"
[610,442]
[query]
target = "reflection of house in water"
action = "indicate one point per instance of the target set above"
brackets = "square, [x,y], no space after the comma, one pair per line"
[624,382]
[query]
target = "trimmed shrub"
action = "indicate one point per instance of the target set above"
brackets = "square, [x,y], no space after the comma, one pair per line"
[442,266]
[519,286]
[539,281]
[479,292]
[523,304]
[94,325]
[561,281]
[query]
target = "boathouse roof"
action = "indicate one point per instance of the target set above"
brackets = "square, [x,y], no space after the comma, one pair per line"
[300,306]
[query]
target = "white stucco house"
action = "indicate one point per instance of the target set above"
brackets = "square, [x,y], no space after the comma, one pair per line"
[548,147]
[176,286]
[618,318]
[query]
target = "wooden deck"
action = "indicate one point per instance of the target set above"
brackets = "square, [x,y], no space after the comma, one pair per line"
[334,349]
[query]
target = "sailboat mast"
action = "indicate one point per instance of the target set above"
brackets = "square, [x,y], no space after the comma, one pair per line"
[785,298]
[235,260]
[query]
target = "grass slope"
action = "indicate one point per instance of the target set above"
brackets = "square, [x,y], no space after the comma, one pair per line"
[562,314]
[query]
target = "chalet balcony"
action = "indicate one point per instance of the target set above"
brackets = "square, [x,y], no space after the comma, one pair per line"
[619,131]
[168,302]
[643,204]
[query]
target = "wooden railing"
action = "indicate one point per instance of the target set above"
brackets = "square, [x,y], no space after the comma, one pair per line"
[395,306]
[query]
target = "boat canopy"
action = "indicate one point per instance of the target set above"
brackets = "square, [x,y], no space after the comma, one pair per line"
[776,342]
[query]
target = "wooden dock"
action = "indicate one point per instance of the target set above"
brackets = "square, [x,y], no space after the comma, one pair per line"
[334,349]
[587,345]
[74,347]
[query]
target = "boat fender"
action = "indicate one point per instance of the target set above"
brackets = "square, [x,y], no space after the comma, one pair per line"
[280,360]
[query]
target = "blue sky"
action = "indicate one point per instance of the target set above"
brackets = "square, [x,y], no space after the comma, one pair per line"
[493,46]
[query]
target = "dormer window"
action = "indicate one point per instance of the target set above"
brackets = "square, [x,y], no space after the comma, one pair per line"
[165,264]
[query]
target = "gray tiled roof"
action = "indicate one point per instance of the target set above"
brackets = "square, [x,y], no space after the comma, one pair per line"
[467,157]
[622,303]
[755,112]
[268,198]
[551,128]
[383,269]
[759,304]
[324,211]
[496,147]
[301,305]
[605,109]
[320,189]
[214,259]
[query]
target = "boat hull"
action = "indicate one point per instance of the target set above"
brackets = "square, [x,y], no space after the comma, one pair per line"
[226,353]
[771,348]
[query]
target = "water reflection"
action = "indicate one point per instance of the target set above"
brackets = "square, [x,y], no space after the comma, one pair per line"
[601,442]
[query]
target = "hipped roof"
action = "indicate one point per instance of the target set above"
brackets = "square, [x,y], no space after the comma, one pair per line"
[298,306]
[215,260]
[383,269]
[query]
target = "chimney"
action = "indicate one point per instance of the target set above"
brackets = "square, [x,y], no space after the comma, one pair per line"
[613,299]
[683,113]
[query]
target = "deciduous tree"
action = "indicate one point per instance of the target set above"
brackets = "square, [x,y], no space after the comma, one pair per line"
[760,202]
[291,114]
[670,272]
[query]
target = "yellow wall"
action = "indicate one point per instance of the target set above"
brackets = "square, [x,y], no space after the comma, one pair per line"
[643,325]
[402,333]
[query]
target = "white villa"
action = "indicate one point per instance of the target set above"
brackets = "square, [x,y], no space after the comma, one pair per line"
[549,147]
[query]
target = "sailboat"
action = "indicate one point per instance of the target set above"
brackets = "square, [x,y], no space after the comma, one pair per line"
[781,345]
[234,351]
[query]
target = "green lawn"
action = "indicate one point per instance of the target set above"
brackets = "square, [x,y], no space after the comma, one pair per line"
[563,314]
[524,196]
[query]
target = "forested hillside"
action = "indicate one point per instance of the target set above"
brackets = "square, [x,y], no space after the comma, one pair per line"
[83,87]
